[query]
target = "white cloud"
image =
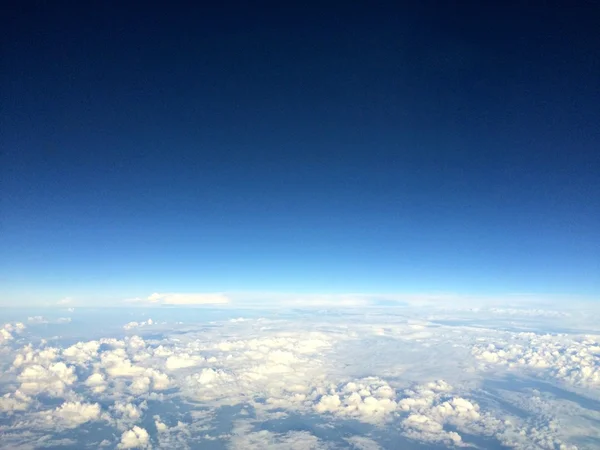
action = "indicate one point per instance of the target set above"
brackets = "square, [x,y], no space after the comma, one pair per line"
[52,380]
[39,320]
[370,400]
[347,367]
[188,298]
[243,438]
[135,438]
[73,414]
[96,382]
[42,356]
[160,426]
[65,301]
[132,325]
[82,352]
[8,331]
[362,443]
[128,414]
[574,360]
[16,401]
[183,360]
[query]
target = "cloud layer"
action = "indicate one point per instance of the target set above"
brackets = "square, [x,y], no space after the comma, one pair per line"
[296,381]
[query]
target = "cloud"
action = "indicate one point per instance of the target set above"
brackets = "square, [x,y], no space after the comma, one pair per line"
[369,399]
[127,413]
[52,380]
[82,352]
[243,438]
[36,319]
[379,372]
[188,299]
[73,414]
[17,401]
[43,320]
[362,443]
[183,361]
[135,438]
[65,301]
[8,331]
[574,360]
[160,426]
[132,325]
[96,382]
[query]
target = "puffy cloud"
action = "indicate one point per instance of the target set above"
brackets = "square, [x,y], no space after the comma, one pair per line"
[52,380]
[17,401]
[160,381]
[276,364]
[182,361]
[96,382]
[8,330]
[82,352]
[140,385]
[128,414]
[117,364]
[575,360]
[135,438]
[189,299]
[132,325]
[41,356]
[427,429]
[121,367]
[282,369]
[160,426]
[73,414]
[369,399]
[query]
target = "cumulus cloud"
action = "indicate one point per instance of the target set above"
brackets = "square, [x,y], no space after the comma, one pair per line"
[29,355]
[574,360]
[8,331]
[16,401]
[52,380]
[73,414]
[369,399]
[343,368]
[135,438]
[183,360]
[132,325]
[160,426]
[82,352]
[126,414]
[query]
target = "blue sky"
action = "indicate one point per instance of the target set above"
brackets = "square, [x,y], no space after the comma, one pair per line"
[351,150]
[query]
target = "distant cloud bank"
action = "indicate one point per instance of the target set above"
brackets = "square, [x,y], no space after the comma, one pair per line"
[188,299]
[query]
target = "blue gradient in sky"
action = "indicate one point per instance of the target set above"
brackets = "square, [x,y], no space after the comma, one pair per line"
[398,150]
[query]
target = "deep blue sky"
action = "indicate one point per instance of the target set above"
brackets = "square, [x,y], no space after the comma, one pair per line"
[321,149]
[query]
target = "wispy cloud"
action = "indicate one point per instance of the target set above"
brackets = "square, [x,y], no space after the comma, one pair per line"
[65,301]
[199,298]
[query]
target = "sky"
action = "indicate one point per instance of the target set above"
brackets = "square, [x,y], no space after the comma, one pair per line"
[318,149]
